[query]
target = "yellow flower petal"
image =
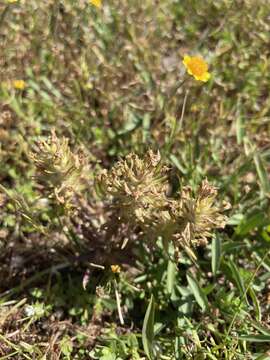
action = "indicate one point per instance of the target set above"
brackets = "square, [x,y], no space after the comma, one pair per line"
[186,60]
[197,67]
[19,84]
[206,76]
[96,3]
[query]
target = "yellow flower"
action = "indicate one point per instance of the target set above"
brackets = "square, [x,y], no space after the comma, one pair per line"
[19,84]
[96,3]
[12,1]
[197,67]
[116,269]
[89,85]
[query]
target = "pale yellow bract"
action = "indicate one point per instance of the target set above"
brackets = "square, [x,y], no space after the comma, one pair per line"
[197,67]
[96,3]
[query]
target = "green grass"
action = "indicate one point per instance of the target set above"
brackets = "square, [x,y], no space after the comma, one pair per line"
[108,80]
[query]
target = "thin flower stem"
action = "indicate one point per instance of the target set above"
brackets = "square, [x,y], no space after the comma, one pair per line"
[173,92]
[118,302]
[177,87]
[177,126]
[183,110]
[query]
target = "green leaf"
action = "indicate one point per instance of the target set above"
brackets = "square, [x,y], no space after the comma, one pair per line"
[216,254]
[256,338]
[254,221]
[132,123]
[148,329]
[198,292]
[66,346]
[177,164]
[262,173]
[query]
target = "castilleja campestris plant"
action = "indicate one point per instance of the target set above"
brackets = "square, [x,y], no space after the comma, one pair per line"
[137,188]
[193,217]
[61,172]
[136,191]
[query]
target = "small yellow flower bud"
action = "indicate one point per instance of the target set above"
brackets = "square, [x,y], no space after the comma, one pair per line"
[116,269]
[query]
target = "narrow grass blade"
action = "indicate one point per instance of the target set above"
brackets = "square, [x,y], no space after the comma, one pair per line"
[258,326]
[4,14]
[256,338]
[256,303]
[148,329]
[54,18]
[197,291]
[263,357]
[216,254]
[240,128]
[171,272]
[238,280]
[262,173]
[177,164]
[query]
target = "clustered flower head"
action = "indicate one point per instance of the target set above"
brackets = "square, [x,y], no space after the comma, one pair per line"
[137,187]
[61,172]
[195,216]
[138,191]
[197,67]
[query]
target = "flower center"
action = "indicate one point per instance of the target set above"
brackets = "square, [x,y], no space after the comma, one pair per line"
[198,66]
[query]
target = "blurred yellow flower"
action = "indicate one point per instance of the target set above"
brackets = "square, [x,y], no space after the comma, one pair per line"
[89,86]
[11,1]
[96,3]
[197,67]
[19,84]
[116,269]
